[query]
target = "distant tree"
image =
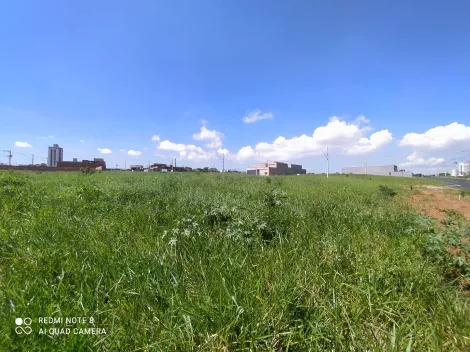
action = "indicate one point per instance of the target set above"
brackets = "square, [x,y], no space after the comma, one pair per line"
[213,169]
[205,169]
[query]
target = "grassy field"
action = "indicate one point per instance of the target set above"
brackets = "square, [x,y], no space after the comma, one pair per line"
[220,262]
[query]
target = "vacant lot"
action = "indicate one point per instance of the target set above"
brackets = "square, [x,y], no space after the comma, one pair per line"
[181,262]
[438,202]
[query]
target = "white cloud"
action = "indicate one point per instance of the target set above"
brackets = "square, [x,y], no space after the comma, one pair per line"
[146,148]
[122,150]
[187,151]
[374,142]
[105,151]
[417,159]
[256,115]
[224,151]
[213,137]
[362,119]
[134,153]
[22,145]
[174,147]
[46,137]
[82,141]
[337,132]
[155,138]
[340,136]
[438,138]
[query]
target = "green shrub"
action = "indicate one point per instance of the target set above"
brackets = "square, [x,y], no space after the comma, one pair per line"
[387,191]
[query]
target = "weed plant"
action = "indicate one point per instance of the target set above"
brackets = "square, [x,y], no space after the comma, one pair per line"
[205,262]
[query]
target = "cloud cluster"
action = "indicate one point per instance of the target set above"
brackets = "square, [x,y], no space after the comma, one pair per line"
[348,138]
[105,151]
[212,137]
[438,138]
[135,153]
[417,159]
[340,136]
[190,151]
[23,145]
[256,115]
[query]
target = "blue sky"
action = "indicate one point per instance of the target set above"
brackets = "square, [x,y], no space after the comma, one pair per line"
[373,80]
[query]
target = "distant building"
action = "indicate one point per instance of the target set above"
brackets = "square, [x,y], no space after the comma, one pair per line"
[55,154]
[383,170]
[275,168]
[156,167]
[462,169]
[96,164]
[136,168]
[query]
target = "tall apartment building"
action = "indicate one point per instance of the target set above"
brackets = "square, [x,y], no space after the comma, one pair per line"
[55,154]
[462,169]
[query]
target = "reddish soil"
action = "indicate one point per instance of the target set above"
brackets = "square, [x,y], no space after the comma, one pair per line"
[435,202]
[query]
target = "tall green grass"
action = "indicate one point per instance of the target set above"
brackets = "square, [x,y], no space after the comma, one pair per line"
[195,262]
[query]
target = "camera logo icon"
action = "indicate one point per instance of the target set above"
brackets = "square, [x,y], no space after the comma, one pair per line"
[23,326]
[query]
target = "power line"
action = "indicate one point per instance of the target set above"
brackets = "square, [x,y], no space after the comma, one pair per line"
[223,162]
[36,156]
[327,156]
[9,156]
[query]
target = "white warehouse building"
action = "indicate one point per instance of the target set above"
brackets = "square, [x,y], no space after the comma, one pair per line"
[383,170]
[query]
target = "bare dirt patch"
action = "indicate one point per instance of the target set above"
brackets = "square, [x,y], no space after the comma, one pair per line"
[444,205]
[436,203]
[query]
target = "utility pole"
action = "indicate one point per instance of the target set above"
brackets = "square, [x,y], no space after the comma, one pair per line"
[32,161]
[327,162]
[9,156]
[365,163]
[327,156]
